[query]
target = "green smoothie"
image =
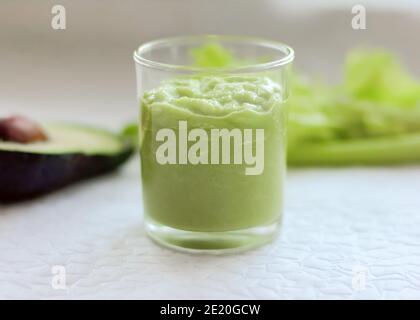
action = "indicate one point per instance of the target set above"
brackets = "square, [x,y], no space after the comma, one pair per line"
[211,194]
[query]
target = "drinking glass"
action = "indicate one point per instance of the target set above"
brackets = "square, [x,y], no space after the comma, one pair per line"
[212,136]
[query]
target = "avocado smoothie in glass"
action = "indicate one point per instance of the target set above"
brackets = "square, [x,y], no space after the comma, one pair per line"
[212,143]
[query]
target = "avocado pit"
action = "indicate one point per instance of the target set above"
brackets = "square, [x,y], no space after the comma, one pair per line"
[21,130]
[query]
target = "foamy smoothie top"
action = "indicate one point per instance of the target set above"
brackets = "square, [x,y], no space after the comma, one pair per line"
[216,95]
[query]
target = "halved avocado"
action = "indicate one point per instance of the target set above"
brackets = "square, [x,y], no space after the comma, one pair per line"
[71,153]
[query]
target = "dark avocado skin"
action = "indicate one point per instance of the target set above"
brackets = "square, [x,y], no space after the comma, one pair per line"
[25,175]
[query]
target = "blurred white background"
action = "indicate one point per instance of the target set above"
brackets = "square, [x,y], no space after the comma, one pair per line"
[86,72]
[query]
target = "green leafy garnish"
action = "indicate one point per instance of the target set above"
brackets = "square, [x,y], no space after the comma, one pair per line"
[213,55]
[131,133]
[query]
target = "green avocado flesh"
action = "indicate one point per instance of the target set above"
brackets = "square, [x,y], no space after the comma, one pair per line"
[70,138]
[213,197]
[71,153]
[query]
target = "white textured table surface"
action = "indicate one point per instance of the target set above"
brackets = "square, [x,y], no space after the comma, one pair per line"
[348,233]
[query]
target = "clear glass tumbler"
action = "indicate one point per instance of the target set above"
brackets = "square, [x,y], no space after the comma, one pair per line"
[212,140]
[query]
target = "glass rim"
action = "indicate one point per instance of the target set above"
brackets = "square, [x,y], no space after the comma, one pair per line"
[279,46]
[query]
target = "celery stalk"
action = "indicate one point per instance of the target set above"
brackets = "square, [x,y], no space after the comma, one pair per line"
[396,150]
